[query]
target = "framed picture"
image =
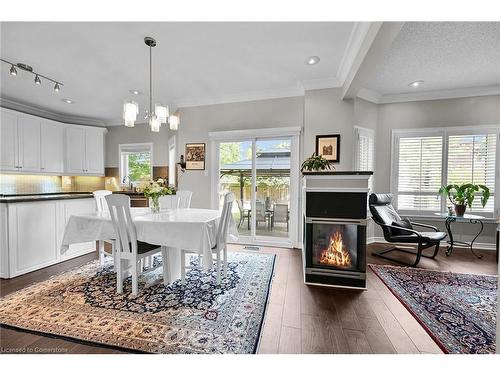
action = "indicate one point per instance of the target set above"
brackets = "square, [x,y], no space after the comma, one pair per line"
[195,156]
[329,147]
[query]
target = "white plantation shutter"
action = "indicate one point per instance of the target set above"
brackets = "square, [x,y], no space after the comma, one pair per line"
[365,153]
[419,173]
[471,158]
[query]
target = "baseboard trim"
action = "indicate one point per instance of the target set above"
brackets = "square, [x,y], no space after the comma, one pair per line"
[477,245]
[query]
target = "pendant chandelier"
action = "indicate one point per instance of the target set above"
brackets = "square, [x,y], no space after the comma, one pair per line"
[160,115]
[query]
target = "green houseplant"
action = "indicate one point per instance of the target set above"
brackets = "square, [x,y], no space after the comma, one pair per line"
[463,195]
[316,163]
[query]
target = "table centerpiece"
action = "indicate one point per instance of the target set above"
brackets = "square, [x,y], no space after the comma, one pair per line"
[154,189]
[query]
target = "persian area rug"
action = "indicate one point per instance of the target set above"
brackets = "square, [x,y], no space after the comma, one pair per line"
[457,310]
[199,317]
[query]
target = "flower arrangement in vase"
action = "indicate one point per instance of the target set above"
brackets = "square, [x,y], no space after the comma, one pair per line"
[154,189]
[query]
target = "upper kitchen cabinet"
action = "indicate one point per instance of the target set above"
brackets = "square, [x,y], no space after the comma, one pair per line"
[52,149]
[94,150]
[35,145]
[20,142]
[84,150]
[28,135]
[8,141]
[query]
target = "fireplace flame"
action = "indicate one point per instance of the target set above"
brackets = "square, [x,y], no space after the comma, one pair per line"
[335,254]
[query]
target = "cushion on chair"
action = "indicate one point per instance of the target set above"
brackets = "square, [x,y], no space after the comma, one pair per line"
[144,247]
[403,223]
[427,237]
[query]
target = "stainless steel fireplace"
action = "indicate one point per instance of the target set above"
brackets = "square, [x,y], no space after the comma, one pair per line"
[334,239]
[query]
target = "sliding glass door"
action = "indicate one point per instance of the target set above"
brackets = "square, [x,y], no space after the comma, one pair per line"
[258,172]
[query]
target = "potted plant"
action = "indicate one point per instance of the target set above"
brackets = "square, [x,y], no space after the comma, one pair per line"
[316,163]
[463,195]
[154,190]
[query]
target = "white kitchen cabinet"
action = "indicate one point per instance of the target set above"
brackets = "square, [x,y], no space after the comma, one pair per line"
[51,147]
[32,234]
[84,150]
[28,136]
[4,245]
[94,151]
[8,141]
[34,145]
[75,150]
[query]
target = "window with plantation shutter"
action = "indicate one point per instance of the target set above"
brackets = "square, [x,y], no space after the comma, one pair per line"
[364,151]
[424,160]
[472,158]
[419,173]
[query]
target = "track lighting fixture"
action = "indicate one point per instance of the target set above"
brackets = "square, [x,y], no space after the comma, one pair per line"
[29,69]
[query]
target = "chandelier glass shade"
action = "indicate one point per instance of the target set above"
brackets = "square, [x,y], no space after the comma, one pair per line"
[160,115]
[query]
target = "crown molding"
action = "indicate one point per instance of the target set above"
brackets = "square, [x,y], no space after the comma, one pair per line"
[440,94]
[36,111]
[354,44]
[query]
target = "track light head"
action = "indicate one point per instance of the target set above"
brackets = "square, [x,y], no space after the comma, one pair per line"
[13,71]
[37,80]
[57,87]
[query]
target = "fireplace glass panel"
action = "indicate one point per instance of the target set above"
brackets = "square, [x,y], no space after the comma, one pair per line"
[335,246]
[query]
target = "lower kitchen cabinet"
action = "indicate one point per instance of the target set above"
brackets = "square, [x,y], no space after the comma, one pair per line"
[34,232]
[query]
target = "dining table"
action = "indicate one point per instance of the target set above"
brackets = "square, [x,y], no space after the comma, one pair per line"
[190,229]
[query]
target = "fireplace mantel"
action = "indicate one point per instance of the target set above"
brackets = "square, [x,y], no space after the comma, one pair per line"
[337,181]
[334,207]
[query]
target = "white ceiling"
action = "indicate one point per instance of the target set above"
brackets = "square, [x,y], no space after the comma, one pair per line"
[446,55]
[194,63]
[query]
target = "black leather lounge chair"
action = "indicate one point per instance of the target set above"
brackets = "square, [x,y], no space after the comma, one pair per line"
[397,230]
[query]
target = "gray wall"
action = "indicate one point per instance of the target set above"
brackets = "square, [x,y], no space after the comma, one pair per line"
[326,113]
[432,113]
[197,122]
[140,133]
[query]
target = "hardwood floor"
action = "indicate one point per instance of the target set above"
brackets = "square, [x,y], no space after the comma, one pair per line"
[299,318]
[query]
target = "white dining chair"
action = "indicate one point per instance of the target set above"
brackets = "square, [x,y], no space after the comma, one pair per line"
[183,198]
[127,246]
[102,206]
[220,248]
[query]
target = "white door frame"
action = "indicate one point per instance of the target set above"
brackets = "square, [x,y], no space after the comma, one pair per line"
[254,135]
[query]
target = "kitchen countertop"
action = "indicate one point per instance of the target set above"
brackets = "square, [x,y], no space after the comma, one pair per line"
[17,198]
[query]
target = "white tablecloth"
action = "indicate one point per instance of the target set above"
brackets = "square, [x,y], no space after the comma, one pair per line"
[184,228]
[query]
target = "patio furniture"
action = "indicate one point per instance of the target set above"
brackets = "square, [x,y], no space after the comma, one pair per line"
[244,213]
[281,215]
[397,230]
[262,215]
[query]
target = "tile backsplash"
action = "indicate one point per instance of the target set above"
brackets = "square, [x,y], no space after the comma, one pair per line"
[29,184]
[36,184]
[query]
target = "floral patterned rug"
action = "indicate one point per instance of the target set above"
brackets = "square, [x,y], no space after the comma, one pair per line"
[199,317]
[457,310]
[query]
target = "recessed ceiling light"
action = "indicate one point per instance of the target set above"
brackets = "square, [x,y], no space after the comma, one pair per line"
[68,101]
[416,83]
[135,92]
[313,60]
